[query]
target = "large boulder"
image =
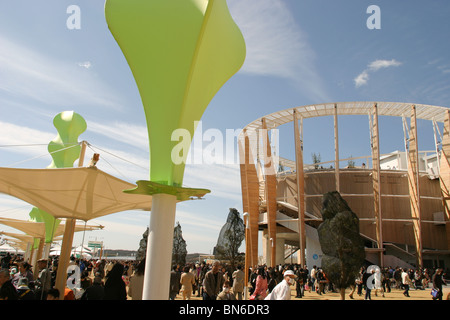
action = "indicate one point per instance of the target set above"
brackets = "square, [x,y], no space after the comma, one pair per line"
[340,240]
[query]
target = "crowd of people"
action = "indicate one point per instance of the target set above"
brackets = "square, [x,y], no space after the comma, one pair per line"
[223,282]
[96,279]
[123,280]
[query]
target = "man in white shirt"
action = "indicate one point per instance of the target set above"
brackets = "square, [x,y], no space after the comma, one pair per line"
[405,281]
[282,291]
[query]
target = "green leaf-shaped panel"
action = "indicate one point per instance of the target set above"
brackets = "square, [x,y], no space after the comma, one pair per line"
[181,52]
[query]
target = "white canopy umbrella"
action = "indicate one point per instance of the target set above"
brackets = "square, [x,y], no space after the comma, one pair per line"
[79,254]
[72,193]
[82,249]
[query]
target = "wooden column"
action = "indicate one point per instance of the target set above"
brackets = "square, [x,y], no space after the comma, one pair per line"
[376,179]
[66,247]
[300,190]
[336,150]
[250,199]
[270,179]
[243,172]
[413,184]
[444,174]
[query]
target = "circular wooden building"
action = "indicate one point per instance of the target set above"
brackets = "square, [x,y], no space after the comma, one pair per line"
[402,199]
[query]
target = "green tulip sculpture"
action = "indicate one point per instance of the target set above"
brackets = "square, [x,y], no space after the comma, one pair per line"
[64,149]
[181,52]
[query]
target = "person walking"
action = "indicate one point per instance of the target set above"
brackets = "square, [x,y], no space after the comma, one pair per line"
[405,282]
[261,286]
[43,281]
[175,277]
[238,277]
[187,280]
[115,288]
[96,291]
[213,282]
[272,279]
[369,283]
[386,282]
[225,294]
[378,282]
[398,278]
[320,282]
[313,278]
[282,291]
[438,280]
[136,284]
[252,279]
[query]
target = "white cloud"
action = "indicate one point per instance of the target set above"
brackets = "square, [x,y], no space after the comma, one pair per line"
[379,64]
[276,45]
[30,74]
[85,64]
[23,141]
[374,66]
[362,78]
[131,134]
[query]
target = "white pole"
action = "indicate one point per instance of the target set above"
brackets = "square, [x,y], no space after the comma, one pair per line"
[159,248]
[46,252]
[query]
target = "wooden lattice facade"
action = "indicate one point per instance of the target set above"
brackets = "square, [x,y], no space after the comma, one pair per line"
[398,207]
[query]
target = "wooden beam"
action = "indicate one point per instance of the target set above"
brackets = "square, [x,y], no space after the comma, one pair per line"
[376,176]
[270,179]
[66,247]
[413,184]
[444,173]
[252,201]
[336,150]
[244,187]
[300,190]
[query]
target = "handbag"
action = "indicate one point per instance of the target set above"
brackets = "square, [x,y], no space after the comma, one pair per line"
[434,293]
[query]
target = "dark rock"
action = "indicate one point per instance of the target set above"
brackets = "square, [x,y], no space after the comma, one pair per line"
[340,240]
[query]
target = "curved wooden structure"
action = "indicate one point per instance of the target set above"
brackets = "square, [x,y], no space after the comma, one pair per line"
[405,208]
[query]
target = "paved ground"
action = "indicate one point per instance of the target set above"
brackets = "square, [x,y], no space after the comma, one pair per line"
[395,294]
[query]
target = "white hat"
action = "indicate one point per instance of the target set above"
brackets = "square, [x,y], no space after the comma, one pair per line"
[289,273]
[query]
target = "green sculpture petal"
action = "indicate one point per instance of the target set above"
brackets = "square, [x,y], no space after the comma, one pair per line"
[180,52]
[51,223]
[69,126]
[182,194]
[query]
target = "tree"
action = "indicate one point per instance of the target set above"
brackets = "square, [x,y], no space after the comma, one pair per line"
[230,238]
[350,163]
[142,251]
[316,159]
[179,250]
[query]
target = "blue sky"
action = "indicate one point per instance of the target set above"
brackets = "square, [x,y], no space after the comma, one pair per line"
[298,53]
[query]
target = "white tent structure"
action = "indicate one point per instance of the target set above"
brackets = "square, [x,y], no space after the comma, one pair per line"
[37,230]
[72,193]
[82,193]
[9,249]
